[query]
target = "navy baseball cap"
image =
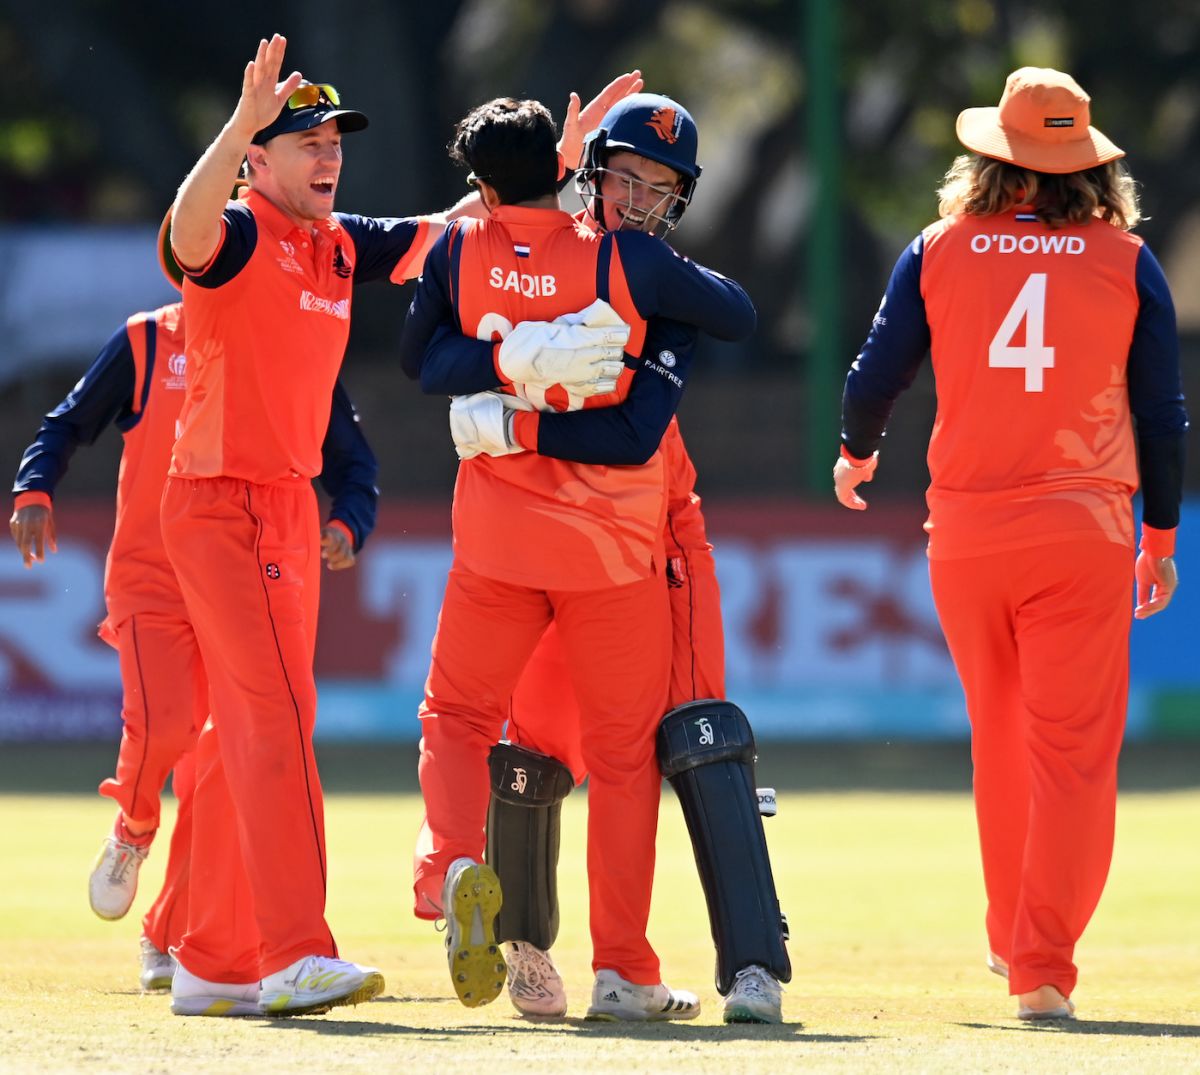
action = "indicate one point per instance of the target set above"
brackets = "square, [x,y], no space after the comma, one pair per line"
[310,105]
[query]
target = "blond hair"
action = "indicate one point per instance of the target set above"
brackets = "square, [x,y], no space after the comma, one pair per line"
[983,186]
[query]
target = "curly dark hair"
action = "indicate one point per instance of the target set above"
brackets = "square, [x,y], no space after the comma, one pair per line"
[512,146]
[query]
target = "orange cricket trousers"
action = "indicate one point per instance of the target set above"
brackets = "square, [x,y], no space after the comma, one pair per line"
[166,920]
[545,714]
[165,704]
[247,559]
[1040,639]
[616,644]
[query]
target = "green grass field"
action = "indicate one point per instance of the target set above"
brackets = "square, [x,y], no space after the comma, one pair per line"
[882,890]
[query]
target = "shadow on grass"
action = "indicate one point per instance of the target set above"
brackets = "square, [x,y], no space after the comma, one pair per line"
[391,768]
[1115,1027]
[664,1031]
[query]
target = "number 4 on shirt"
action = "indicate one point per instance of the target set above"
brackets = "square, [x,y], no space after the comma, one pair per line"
[1033,356]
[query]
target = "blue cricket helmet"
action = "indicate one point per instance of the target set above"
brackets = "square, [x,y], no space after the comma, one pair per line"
[652,126]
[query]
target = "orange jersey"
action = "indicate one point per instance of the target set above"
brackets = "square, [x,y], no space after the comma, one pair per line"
[529,519]
[549,521]
[1031,329]
[267,323]
[1047,343]
[138,575]
[137,383]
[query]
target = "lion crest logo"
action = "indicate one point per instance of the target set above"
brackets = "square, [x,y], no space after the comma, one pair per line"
[665,122]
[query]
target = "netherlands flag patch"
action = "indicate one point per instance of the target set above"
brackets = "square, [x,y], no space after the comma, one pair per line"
[521,250]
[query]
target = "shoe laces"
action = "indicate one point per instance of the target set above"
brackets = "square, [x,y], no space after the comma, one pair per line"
[530,963]
[756,981]
[125,856]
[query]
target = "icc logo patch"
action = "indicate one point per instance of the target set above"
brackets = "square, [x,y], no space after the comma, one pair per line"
[667,358]
[176,378]
[272,571]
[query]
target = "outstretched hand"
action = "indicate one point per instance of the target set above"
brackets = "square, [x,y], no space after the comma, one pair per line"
[263,94]
[581,121]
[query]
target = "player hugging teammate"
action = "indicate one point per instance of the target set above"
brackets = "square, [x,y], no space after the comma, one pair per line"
[578,543]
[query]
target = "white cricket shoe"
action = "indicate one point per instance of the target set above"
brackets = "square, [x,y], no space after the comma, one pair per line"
[616,1000]
[191,995]
[534,985]
[471,899]
[756,997]
[1044,1003]
[158,968]
[113,883]
[997,965]
[314,984]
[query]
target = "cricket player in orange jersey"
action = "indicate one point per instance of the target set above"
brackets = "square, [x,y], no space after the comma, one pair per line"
[267,296]
[639,173]
[136,383]
[267,301]
[540,539]
[1056,360]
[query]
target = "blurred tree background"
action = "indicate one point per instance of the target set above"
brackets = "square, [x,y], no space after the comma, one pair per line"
[111,103]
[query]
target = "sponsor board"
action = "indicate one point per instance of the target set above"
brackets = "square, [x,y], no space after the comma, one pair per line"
[830,630]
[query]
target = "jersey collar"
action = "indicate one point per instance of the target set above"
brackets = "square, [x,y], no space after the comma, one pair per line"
[532,218]
[276,221]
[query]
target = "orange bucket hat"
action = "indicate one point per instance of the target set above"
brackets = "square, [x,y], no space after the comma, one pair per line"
[1043,122]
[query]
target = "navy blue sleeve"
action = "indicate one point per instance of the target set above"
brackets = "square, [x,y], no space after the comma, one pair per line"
[457,365]
[889,360]
[433,348]
[1156,396]
[103,395]
[629,433]
[241,235]
[349,469]
[663,283]
[379,243]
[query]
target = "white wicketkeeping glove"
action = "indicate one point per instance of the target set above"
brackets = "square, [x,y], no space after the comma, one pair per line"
[581,351]
[482,424]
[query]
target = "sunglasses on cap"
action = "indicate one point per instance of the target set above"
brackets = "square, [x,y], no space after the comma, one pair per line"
[313,93]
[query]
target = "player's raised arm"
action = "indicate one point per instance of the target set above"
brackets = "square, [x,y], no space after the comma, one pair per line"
[196,226]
